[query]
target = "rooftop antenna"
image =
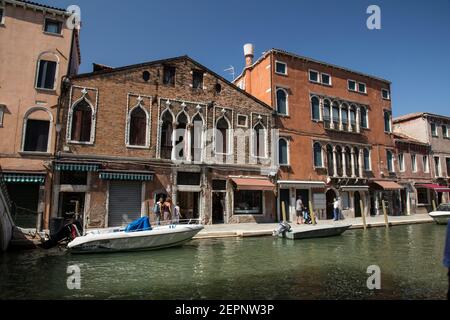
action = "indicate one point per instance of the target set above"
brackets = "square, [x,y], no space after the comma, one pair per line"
[231,71]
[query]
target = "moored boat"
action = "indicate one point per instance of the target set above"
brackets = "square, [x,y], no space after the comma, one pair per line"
[116,239]
[311,231]
[442,214]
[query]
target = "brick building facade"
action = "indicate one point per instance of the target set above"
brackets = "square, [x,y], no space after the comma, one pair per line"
[167,128]
[336,132]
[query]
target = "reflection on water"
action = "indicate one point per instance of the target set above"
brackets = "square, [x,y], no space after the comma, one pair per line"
[410,258]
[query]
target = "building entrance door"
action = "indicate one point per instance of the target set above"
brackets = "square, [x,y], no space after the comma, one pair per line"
[218,207]
[357,204]
[284,198]
[189,204]
[331,195]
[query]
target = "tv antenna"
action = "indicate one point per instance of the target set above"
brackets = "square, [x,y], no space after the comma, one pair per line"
[231,71]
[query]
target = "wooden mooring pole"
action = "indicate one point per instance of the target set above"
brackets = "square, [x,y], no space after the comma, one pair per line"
[311,212]
[363,214]
[283,210]
[386,220]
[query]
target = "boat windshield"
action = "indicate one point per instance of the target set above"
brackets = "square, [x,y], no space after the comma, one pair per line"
[444,207]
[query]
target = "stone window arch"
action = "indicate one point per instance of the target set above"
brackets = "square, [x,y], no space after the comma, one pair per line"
[37,130]
[223,136]
[282,101]
[81,122]
[137,127]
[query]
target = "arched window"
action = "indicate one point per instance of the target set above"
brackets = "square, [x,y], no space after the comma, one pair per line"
[197,138]
[348,162]
[330,163]
[37,124]
[367,166]
[353,117]
[387,121]
[390,161]
[340,169]
[81,122]
[283,152]
[259,141]
[181,141]
[344,114]
[222,139]
[138,127]
[166,135]
[282,101]
[318,155]
[335,111]
[356,159]
[363,121]
[315,108]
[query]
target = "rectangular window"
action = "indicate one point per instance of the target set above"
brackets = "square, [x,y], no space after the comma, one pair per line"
[46,74]
[188,178]
[169,75]
[351,85]
[426,166]
[326,79]
[313,76]
[364,123]
[248,202]
[242,120]
[73,177]
[219,185]
[197,79]
[2,16]
[433,130]
[2,112]
[445,131]
[52,26]
[36,136]
[422,196]
[401,162]
[414,163]
[387,121]
[437,166]
[281,67]
[362,87]
[385,94]
[447,162]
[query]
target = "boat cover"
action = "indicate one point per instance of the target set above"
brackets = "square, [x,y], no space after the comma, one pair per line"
[141,224]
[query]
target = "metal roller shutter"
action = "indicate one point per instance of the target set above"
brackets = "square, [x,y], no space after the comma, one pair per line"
[124,202]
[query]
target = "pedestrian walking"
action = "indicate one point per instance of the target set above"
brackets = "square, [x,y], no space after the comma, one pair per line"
[336,209]
[176,214]
[157,209]
[167,209]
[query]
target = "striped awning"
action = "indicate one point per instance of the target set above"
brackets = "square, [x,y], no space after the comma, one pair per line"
[85,167]
[23,178]
[130,176]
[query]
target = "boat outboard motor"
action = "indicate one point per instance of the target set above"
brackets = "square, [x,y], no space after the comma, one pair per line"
[68,232]
[283,227]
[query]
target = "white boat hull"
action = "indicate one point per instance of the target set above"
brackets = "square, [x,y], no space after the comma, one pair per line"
[440,217]
[321,231]
[157,238]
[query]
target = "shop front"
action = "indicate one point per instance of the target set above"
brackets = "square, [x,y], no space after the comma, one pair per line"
[389,193]
[435,194]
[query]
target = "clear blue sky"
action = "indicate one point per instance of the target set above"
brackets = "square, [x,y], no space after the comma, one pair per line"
[412,49]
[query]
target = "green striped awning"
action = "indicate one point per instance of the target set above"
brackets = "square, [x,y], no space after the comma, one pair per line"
[77,167]
[24,178]
[126,176]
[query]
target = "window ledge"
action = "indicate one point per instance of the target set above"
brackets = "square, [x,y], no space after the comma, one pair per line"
[46,90]
[283,115]
[81,142]
[137,147]
[281,74]
[34,153]
[53,34]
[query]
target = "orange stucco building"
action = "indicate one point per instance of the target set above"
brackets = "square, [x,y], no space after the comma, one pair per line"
[335,128]
[37,51]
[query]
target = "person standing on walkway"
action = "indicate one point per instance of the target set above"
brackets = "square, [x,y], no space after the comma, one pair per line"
[447,258]
[299,209]
[157,209]
[176,214]
[336,209]
[167,209]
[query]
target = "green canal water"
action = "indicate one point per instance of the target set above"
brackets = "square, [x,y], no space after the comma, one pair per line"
[410,259]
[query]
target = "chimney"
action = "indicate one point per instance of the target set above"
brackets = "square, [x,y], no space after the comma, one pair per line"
[248,53]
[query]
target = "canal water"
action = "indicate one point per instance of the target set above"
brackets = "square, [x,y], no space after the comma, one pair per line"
[410,259]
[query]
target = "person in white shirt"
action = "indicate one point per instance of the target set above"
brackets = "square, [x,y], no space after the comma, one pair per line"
[336,212]
[299,210]
[176,215]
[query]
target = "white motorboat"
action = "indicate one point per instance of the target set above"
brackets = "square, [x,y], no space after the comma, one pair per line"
[310,231]
[116,239]
[442,214]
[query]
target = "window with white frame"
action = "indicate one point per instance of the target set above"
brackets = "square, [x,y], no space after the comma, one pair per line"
[315,108]
[385,94]
[401,162]
[318,159]
[387,121]
[351,85]
[326,79]
[447,164]
[282,101]
[137,130]
[259,141]
[283,152]
[52,26]
[242,120]
[390,161]
[445,131]
[2,112]
[46,74]
[437,166]
[426,164]
[433,130]
[36,130]
[281,67]
[364,120]
[81,122]
[414,163]
[362,87]
[222,136]
[314,76]
[367,163]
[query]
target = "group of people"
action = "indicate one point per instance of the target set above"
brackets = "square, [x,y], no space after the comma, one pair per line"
[166,210]
[304,217]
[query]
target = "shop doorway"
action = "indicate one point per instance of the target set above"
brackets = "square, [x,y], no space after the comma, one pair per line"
[25,198]
[304,194]
[330,195]
[284,198]
[189,204]
[71,205]
[218,207]
[358,213]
